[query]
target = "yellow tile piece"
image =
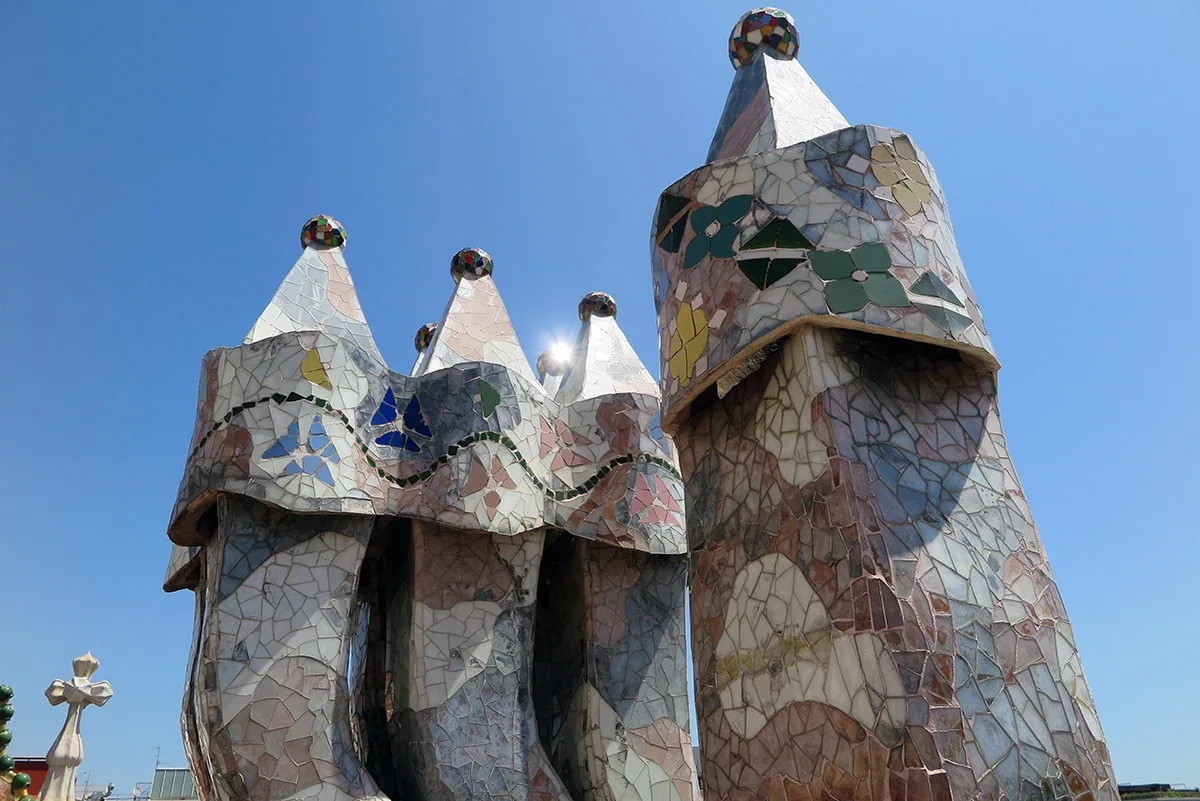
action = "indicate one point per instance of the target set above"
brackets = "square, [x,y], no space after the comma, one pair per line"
[904,148]
[906,198]
[312,369]
[880,154]
[887,173]
[688,342]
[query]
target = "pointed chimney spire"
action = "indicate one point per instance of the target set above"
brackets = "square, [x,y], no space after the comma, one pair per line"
[604,362]
[318,295]
[551,366]
[421,342]
[773,102]
[476,326]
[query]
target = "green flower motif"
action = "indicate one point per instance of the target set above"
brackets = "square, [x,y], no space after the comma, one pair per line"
[856,277]
[715,230]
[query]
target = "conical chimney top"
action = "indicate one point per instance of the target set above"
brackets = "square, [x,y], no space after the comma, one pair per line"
[773,102]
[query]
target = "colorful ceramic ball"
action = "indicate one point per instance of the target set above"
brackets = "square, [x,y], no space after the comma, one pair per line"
[323,231]
[424,336]
[6,693]
[6,712]
[22,781]
[471,262]
[5,738]
[7,763]
[763,27]
[600,304]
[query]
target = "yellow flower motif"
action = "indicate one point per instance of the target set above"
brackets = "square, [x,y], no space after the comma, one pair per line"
[688,342]
[896,165]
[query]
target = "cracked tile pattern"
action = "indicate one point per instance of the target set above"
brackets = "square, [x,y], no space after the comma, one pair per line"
[873,613]
[901,594]
[469,582]
[366,548]
[269,700]
[618,725]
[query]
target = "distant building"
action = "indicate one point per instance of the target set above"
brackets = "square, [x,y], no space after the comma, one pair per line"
[94,792]
[1152,792]
[173,784]
[35,767]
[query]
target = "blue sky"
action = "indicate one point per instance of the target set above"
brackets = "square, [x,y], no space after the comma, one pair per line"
[160,158]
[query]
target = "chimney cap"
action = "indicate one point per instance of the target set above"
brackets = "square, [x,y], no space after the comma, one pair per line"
[600,304]
[763,26]
[323,231]
[472,263]
[424,336]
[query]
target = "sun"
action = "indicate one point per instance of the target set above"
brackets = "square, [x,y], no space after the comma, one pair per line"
[561,351]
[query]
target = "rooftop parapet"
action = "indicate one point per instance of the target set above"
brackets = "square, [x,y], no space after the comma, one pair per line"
[306,415]
[799,219]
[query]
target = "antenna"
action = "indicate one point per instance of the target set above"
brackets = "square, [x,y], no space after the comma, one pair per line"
[157,752]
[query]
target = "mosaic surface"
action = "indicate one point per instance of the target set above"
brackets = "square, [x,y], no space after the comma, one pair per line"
[873,613]
[469,581]
[374,618]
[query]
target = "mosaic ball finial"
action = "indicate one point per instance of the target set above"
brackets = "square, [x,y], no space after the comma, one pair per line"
[763,27]
[323,231]
[424,336]
[553,362]
[471,262]
[600,304]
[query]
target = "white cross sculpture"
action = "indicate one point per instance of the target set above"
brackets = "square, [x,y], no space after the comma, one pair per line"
[67,752]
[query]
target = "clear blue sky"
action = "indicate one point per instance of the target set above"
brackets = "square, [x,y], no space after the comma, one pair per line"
[159,159]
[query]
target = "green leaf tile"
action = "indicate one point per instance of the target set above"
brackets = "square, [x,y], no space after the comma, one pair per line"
[766,238]
[734,208]
[844,296]
[489,398]
[755,270]
[790,236]
[765,272]
[702,218]
[721,246]
[949,321]
[931,286]
[778,233]
[885,290]
[872,257]
[668,207]
[831,264]
[697,249]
